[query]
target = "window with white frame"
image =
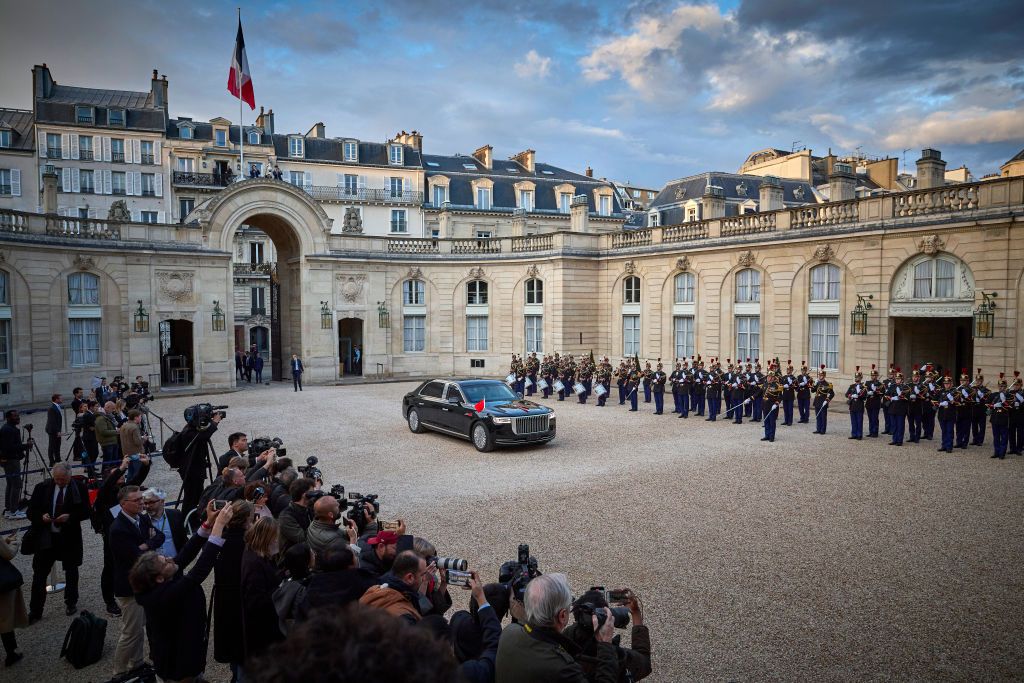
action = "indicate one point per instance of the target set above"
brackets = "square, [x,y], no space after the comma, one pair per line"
[148,185]
[398,221]
[351,150]
[86,180]
[534,291]
[630,335]
[4,289]
[145,149]
[483,234]
[6,184]
[221,138]
[83,289]
[476,333]
[117,150]
[117,182]
[934,279]
[84,341]
[185,165]
[296,146]
[748,336]
[414,333]
[255,252]
[682,326]
[631,290]
[748,286]
[258,299]
[296,178]
[825,341]
[351,183]
[85,147]
[476,292]
[684,288]
[534,334]
[185,133]
[413,293]
[254,137]
[655,219]
[395,155]
[146,216]
[825,283]
[396,186]
[526,200]
[691,214]
[565,202]
[440,195]
[185,206]
[483,198]
[115,117]
[5,345]
[53,145]
[605,206]
[5,138]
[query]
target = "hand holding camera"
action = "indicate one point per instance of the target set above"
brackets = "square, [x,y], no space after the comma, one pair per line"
[603,631]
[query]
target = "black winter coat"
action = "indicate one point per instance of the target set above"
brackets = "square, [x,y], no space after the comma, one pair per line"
[228,638]
[260,578]
[334,590]
[76,505]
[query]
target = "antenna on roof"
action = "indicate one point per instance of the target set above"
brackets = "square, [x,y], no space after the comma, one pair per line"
[905,158]
[793,147]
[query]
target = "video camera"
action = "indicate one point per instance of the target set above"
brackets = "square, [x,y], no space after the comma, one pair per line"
[515,574]
[585,611]
[200,416]
[309,470]
[262,443]
[337,492]
[358,506]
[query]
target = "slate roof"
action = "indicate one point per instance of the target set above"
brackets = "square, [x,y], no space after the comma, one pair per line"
[20,123]
[1019,157]
[505,173]
[692,187]
[128,99]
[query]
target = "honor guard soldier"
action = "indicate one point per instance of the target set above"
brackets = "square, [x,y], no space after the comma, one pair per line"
[748,398]
[658,389]
[788,394]
[647,375]
[633,387]
[604,380]
[1016,422]
[699,387]
[713,393]
[771,400]
[693,384]
[532,366]
[873,402]
[546,375]
[803,394]
[685,379]
[929,386]
[899,405]
[965,410]
[916,408]
[727,385]
[584,377]
[620,381]
[823,394]
[999,410]
[887,385]
[758,385]
[945,401]
[980,411]
[673,380]
[738,391]
[856,396]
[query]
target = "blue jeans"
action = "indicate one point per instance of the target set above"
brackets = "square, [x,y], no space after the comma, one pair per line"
[12,470]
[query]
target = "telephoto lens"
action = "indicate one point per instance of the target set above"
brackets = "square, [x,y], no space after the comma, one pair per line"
[450,563]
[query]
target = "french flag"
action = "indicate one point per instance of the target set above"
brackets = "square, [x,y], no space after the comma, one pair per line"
[239,79]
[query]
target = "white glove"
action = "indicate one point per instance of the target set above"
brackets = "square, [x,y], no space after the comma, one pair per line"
[944,404]
[998,404]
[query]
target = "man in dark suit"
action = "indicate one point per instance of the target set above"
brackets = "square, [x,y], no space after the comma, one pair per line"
[54,425]
[57,509]
[131,534]
[257,366]
[297,370]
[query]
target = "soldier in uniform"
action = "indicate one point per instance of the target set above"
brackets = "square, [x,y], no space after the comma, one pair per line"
[684,390]
[999,408]
[980,411]
[898,407]
[823,394]
[547,376]
[771,400]
[699,388]
[748,380]
[713,393]
[531,374]
[965,410]
[620,381]
[856,395]
[758,382]
[738,391]
[788,394]
[658,389]
[945,401]
[929,386]
[633,386]
[873,401]
[673,380]
[916,408]
[584,377]
[1016,421]
[887,385]
[604,378]
[648,374]
[803,394]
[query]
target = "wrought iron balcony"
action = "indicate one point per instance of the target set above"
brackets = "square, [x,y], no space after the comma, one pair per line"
[85,154]
[190,179]
[247,268]
[117,156]
[147,159]
[258,310]
[53,153]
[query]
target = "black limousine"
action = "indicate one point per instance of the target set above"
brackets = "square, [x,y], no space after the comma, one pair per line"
[485,411]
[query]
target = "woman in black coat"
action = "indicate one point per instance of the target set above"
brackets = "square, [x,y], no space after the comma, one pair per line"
[260,577]
[228,643]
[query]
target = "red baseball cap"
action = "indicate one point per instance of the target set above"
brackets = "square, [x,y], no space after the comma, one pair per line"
[385,537]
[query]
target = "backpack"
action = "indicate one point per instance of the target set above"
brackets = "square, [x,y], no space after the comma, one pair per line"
[83,643]
[174,451]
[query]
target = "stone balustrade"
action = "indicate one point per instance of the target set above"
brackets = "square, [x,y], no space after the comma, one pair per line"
[632,238]
[685,232]
[412,246]
[815,215]
[476,246]
[950,199]
[749,224]
[532,243]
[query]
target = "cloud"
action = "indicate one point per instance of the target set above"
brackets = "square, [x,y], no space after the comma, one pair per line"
[973,125]
[581,129]
[533,66]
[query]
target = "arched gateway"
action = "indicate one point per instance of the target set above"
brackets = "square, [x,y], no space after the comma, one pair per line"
[299,227]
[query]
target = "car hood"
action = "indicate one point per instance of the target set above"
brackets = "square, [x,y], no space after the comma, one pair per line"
[516,407]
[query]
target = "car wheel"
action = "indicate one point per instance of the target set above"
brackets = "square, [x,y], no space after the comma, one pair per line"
[414,421]
[482,438]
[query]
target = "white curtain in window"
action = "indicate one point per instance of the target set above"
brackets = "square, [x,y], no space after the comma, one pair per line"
[5,345]
[825,283]
[476,333]
[748,336]
[943,279]
[83,289]
[412,292]
[631,290]
[630,335]
[825,342]
[534,334]
[683,325]
[414,333]
[3,289]
[923,280]
[748,286]
[684,288]
[84,341]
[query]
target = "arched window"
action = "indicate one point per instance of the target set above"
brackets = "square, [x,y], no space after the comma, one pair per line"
[684,288]
[631,290]
[534,291]
[413,293]
[825,283]
[934,279]
[83,289]
[476,292]
[748,286]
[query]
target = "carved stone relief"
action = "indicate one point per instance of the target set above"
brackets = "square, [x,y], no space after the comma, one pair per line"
[532,271]
[84,262]
[683,263]
[415,273]
[176,286]
[353,221]
[630,267]
[931,245]
[824,253]
[351,288]
[747,259]
[476,273]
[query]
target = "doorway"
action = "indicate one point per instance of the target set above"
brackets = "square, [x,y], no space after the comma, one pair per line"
[946,343]
[259,338]
[350,346]
[176,353]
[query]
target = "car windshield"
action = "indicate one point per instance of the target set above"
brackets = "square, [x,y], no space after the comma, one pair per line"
[491,391]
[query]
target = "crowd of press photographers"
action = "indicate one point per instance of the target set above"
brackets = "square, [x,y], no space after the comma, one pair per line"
[308,582]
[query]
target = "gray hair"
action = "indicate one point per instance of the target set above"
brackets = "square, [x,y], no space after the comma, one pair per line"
[61,467]
[545,597]
[287,476]
[154,494]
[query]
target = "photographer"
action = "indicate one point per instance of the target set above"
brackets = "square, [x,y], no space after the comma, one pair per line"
[478,667]
[398,593]
[538,652]
[132,440]
[635,662]
[324,532]
[102,519]
[284,475]
[193,470]
[436,590]
[106,434]
[337,582]
[378,552]
[227,487]
[12,452]
[87,422]
[228,629]
[238,445]
[295,518]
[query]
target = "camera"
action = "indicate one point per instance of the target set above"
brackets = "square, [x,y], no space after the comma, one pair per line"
[455,577]
[515,574]
[360,504]
[583,611]
[447,563]
[200,416]
[262,443]
[309,470]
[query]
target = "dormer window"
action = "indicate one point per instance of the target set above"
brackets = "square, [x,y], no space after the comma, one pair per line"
[84,115]
[351,151]
[254,137]
[185,133]
[115,117]
[221,137]
[5,138]
[395,155]
[296,146]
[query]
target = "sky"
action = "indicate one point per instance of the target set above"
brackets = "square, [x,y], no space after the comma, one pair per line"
[643,91]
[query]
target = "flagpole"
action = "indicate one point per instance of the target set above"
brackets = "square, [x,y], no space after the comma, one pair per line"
[241,132]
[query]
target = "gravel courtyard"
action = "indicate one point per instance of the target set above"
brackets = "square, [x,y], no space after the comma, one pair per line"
[811,558]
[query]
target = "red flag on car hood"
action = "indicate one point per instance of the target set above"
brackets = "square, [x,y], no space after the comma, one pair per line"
[480,405]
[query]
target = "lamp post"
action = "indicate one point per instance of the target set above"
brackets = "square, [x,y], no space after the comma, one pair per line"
[859,316]
[141,319]
[326,317]
[217,318]
[985,317]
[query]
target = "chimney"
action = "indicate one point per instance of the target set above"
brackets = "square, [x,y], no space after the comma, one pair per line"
[317,131]
[42,82]
[771,194]
[589,172]
[49,189]
[158,90]
[527,159]
[931,169]
[265,120]
[485,155]
[842,183]
[712,204]
[579,214]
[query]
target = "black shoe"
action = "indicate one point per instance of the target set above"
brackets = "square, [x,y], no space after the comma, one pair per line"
[764,438]
[940,450]
[771,440]
[994,456]
[632,410]
[113,609]
[71,610]
[860,438]
[815,432]
[13,658]
[658,412]
[964,447]
[33,618]
[853,437]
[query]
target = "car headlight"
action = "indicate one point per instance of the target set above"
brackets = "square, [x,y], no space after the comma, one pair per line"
[501,420]
[551,416]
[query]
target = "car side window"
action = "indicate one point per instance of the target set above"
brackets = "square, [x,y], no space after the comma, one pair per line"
[432,390]
[454,392]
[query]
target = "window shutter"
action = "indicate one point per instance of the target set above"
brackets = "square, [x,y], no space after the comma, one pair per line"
[157,158]
[42,144]
[65,180]
[92,213]
[129,182]
[362,182]
[75,181]
[158,184]
[65,145]
[387,185]
[16,182]
[341,179]
[106,151]
[307,181]
[138,183]
[136,216]
[107,181]
[136,151]
[161,217]
[74,145]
